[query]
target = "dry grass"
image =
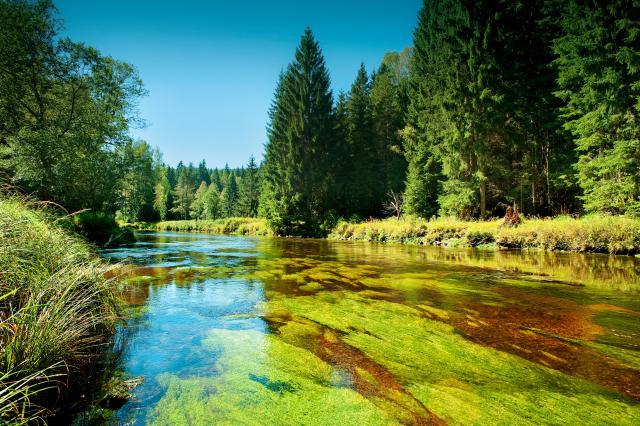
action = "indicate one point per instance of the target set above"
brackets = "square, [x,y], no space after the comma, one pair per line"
[594,233]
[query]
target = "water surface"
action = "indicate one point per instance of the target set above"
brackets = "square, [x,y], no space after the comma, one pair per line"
[236,330]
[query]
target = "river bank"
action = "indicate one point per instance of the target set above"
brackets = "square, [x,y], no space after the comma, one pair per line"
[58,313]
[588,234]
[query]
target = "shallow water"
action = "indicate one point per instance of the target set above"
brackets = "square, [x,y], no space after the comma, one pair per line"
[243,330]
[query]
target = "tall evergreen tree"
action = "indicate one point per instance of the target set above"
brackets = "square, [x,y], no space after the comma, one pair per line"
[297,167]
[389,98]
[364,183]
[249,191]
[599,78]
[229,196]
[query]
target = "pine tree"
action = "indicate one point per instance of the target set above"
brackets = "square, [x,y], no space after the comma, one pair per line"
[297,167]
[249,191]
[599,78]
[229,196]
[203,173]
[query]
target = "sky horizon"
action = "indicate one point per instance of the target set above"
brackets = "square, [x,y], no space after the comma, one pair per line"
[211,67]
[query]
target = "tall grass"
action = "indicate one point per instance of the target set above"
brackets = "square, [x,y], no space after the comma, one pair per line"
[593,233]
[231,225]
[57,314]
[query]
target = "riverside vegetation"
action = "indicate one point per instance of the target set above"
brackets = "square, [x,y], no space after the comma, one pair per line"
[495,104]
[58,313]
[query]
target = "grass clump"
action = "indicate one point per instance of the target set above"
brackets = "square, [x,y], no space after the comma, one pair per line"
[593,233]
[57,313]
[231,225]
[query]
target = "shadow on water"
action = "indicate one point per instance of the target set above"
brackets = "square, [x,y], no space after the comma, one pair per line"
[356,313]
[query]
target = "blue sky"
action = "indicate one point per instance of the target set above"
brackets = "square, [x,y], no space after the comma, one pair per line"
[211,66]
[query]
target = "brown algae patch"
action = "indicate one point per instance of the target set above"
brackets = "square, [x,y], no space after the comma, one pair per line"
[364,375]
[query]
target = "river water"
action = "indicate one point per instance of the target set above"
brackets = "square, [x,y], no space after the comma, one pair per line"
[238,330]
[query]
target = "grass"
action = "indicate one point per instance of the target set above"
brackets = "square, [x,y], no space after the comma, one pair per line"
[231,225]
[57,312]
[593,233]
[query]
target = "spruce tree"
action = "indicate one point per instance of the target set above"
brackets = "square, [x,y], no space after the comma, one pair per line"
[599,78]
[229,196]
[249,190]
[297,167]
[364,184]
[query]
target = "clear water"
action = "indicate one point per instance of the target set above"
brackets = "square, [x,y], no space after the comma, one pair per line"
[237,330]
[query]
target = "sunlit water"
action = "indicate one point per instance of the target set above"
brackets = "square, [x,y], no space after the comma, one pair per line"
[243,330]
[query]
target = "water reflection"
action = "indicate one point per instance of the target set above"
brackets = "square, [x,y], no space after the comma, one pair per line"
[311,331]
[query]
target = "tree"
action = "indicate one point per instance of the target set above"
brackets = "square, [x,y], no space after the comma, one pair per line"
[198,203]
[229,196]
[162,190]
[363,184]
[64,109]
[183,195]
[599,78]
[136,188]
[203,174]
[211,205]
[297,166]
[249,191]
[389,98]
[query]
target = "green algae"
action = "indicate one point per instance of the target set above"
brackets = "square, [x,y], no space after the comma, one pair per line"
[365,334]
[262,380]
[458,380]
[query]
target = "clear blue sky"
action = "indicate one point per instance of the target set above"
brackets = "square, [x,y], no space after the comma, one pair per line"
[211,66]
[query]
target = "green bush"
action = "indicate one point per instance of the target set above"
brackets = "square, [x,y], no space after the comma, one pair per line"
[102,229]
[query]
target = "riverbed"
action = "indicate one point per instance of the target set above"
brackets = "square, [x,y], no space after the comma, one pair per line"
[238,330]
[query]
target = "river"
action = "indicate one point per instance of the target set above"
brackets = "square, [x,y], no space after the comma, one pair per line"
[238,330]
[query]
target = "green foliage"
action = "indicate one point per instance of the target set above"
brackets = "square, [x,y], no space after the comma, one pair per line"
[230,225]
[102,229]
[599,79]
[229,196]
[63,108]
[162,190]
[183,195]
[136,194]
[295,180]
[57,312]
[197,206]
[249,192]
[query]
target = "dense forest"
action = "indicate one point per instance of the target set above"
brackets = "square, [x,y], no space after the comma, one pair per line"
[534,104]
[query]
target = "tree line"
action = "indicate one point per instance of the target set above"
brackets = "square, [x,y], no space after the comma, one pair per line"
[533,104]
[66,112]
